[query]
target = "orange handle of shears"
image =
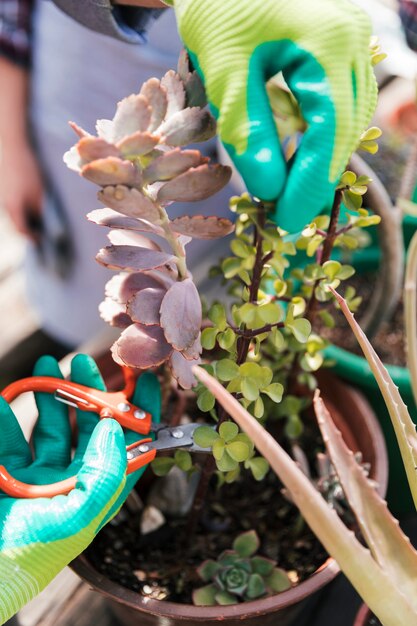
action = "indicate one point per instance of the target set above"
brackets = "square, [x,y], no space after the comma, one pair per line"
[104,403]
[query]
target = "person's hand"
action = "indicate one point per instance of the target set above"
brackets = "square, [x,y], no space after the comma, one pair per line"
[322,48]
[21,187]
[40,536]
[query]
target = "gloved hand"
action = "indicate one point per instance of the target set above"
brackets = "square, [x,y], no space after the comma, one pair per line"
[40,536]
[322,48]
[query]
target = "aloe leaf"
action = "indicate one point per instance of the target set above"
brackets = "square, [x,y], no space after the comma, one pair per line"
[181,314]
[172,164]
[182,369]
[188,126]
[130,202]
[196,184]
[410,313]
[144,306]
[381,531]
[114,313]
[174,87]
[156,95]
[133,114]
[111,171]
[137,144]
[376,588]
[141,346]
[113,219]
[132,258]
[404,427]
[202,227]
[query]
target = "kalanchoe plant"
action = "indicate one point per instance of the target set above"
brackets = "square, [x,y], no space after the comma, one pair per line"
[139,163]
[239,575]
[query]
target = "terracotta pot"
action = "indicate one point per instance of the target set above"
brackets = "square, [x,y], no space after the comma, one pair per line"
[362,432]
[363,616]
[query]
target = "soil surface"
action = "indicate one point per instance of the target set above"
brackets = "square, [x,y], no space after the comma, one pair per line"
[162,564]
[388,342]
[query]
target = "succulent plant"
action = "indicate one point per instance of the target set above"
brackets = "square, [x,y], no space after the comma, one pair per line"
[239,575]
[138,162]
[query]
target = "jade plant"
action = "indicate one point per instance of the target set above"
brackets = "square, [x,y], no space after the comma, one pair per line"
[239,575]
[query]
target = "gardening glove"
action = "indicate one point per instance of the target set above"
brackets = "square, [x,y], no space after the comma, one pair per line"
[322,48]
[40,536]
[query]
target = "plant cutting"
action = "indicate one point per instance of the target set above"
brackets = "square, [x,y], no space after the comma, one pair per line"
[261,346]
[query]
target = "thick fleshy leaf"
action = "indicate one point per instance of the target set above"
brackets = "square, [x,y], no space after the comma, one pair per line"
[197,184]
[133,114]
[181,314]
[113,219]
[114,313]
[144,306]
[201,227]
[132,258]
[141,346]
[73,160]
[181,370]
[194,351]
[78,130]
[129,238]
[104,129]
[130,202]
[124,286]
[188,126]
[175,91]
[195,92]
[92,148]
[183,65]
[156,95]
[172,164]
[137,144]
[111,171]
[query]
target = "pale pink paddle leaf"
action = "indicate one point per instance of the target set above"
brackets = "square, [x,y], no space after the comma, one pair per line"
[133,114]
[130,238]
[181,314]
[130,202]
[124,286]
[132,258]
[145,304]
[196,184]
[172,83]
[172,164]
[113,219]
[114,313]
[111,171]
[138,144]
[156,95]
[193,352]
[183,65]
[141,346]
[181,370]
[92,148]
[202,227]
[188,126]
[73,160]
[104,129]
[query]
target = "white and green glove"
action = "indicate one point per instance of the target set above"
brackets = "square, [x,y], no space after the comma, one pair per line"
[40,536]
[322,48]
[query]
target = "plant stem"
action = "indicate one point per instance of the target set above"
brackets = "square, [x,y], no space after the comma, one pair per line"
[245,332]
[172,239]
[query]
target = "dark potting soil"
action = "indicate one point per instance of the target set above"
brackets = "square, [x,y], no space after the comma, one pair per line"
[162,564]
[388,341]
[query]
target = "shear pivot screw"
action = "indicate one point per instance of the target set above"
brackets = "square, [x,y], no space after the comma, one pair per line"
[178,434]
[129,456]
[139,414]
[143,448]
[124,407]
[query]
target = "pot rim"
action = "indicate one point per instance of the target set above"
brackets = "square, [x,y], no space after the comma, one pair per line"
[362,616]
[323,575]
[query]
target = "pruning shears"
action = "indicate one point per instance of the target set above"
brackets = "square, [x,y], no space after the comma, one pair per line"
[114,404]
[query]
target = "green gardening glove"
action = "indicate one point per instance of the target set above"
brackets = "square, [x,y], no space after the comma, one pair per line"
[40,536]
[322,48]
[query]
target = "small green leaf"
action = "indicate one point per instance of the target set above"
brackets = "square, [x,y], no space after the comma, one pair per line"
[347,179]
[206,401]
[183,460]
[205,596]
[327,319]
[274,391]
[301,329]
[372,133]
[228,431]
[256,587]
[208,338]
[293,427]
[258,466]
[227,370]
[259,408]
[246,544]
[247,313]
[226,463]
[331,269]
[270,313]
[238,451]
[250,389]
[224,598]
[226,339]
[278,581]
[208,569]
[230,267]
[205,437]
[262,566]
[217,315]
[218,449]
[162,465]
[345,272]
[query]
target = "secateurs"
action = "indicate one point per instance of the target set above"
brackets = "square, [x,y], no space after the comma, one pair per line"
[106,404]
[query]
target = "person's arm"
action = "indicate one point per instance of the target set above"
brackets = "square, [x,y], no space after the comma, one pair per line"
[20,179]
